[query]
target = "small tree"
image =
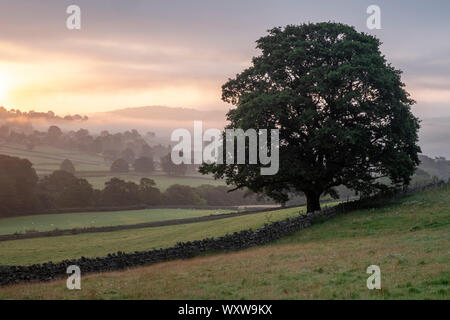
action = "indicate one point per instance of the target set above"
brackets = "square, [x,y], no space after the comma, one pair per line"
[67,166]
[110,155]
[171,168]
[128,155]
[79,193]
[120,165]
[146,151]
[54,133]
[143,164]
[56,182]
[63,190]
[182,195]
[148,193]
[118,192]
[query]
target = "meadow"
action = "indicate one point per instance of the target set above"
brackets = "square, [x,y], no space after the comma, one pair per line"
[39,250]
[48,222]
[46,159]
[409,239]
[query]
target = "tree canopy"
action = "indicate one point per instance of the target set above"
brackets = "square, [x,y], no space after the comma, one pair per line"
[342,110]
[120,165]
[17,184]
[143,164]
[171,168]
[63,190]
[67,166]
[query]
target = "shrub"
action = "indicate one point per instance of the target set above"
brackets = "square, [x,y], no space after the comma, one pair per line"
[171,168]
[143,164]
[182,195]
[120,165]
[118,192]
[67,166]
[148,193]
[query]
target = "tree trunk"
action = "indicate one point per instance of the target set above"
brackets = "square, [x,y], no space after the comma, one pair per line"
[312,201]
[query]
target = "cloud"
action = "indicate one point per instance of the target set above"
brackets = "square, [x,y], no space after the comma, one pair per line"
[179,52]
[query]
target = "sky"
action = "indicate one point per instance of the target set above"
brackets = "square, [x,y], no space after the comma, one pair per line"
[179,53]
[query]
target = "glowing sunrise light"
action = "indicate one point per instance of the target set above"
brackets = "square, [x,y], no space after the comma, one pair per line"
[3,86]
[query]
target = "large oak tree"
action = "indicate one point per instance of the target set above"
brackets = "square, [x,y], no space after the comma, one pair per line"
[342,110]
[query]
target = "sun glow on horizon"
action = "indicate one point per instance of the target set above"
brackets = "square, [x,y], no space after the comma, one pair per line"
[4,86]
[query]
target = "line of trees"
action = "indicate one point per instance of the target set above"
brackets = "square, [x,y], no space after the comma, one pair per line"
[21,191]
[49,115]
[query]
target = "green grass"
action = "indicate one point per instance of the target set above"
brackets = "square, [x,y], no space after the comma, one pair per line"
[47,222]
[46,159]
[39,250]
[408,239]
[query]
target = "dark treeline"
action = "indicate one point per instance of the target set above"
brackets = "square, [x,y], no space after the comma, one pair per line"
[32,115]
[22,192]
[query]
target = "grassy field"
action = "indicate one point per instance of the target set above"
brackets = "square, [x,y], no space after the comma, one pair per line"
[39,250]
[409,240]
[46,159]
[47,222]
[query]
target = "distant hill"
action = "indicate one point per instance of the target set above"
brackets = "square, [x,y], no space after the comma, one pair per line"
[435,137]
[434,133]
[438,167]
[161,120]
[168,113]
